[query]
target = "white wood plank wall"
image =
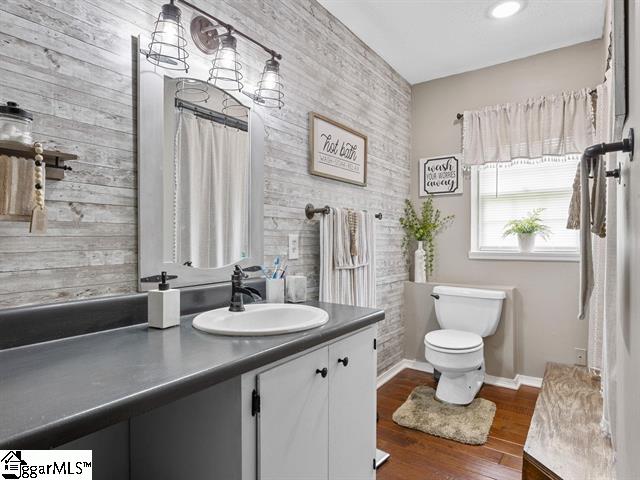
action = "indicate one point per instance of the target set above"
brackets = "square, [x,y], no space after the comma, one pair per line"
[70,62]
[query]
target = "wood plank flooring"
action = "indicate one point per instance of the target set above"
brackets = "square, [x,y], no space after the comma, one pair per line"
[419,456]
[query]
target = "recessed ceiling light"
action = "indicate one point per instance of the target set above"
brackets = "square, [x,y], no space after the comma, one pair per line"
[506,9]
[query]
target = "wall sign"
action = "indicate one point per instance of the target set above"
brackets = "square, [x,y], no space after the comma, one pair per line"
[337,151]
[440,175]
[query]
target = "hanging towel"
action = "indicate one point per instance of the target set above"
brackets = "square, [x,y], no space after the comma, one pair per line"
[592,210]
[17,198]
[347,279]
[597,202]
[350,245]
[586,259]
[573,222]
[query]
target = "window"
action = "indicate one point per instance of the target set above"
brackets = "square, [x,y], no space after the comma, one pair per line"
[499,194]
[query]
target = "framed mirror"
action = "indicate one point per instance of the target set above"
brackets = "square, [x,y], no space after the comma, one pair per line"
[200,179]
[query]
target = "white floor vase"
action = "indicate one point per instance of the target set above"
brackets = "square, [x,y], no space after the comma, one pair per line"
[419,272]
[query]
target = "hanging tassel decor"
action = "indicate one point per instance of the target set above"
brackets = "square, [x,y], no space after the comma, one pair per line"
[39,213]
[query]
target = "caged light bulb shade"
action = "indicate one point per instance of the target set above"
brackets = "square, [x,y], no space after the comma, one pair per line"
[168,43]
[269,93]
[225,69]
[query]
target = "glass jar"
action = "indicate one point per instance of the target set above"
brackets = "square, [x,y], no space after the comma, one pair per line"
[15,124]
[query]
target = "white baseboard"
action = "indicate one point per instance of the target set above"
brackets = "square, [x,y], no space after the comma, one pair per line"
[401,365]
[391,372]
[529,381]
[511,383]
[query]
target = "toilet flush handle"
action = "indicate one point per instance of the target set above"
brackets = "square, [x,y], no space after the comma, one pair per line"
[435,296]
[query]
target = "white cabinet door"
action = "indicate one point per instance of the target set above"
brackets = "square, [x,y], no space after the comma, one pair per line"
[352,407]
[293,420]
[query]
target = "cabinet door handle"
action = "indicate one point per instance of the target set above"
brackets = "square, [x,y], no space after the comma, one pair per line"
[344,361]
[322,372]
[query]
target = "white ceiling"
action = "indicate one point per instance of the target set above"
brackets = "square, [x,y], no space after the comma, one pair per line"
[427,39]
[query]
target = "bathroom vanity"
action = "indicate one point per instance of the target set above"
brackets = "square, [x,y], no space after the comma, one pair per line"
[299,405]
[309,415]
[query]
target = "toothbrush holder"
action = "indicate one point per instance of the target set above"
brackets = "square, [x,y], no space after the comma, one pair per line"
[275,290]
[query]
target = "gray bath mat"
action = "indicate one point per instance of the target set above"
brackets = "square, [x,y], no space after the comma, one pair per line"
[465,424]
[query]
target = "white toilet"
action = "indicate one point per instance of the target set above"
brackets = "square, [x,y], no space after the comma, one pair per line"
[457,351]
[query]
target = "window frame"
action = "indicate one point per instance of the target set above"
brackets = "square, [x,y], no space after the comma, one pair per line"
[475,253]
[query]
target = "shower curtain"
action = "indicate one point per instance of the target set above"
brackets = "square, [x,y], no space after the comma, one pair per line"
[211,199]
[344,277]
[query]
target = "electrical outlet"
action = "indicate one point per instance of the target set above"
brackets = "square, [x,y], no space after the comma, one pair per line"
[581,357]
[294,246]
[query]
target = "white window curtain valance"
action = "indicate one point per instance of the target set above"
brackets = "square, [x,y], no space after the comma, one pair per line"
[552,126]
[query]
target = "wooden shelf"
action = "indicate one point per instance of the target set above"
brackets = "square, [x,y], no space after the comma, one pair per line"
[53,158]
[565,440]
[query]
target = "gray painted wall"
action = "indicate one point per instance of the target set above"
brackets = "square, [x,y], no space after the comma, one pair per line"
[546,306]
[71,64]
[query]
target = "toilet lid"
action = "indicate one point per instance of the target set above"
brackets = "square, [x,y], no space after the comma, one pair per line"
[453,339]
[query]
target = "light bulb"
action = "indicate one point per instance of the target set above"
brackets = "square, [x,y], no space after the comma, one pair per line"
[169,34]
[227,59]
[269,81]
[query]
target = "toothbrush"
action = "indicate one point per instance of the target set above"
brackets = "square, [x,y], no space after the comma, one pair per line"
[284,271]
[276,264]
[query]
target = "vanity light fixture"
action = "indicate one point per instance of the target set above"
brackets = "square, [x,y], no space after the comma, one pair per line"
[225,68]
[269,93]
[506,9]
[168,43]
[168,49]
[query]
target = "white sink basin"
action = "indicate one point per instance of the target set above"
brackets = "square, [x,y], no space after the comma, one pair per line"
[261,319]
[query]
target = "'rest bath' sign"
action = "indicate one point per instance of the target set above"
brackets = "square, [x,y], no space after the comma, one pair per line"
[337,151]
[440,175]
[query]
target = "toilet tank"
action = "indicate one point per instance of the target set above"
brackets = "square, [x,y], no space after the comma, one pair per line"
[468,309]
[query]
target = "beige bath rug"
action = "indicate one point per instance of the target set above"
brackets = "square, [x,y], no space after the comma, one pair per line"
[465,424]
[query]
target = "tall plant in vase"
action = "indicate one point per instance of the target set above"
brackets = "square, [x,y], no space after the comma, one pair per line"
[423,229]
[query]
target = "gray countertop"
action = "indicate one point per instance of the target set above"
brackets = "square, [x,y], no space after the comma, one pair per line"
[54,392]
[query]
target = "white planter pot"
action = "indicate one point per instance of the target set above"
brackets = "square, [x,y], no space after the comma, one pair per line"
[526,242]
[419,273]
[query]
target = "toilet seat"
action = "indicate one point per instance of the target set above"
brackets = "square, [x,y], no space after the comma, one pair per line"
[453,341]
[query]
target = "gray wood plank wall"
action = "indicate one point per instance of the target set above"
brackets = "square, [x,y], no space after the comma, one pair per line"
[70,62]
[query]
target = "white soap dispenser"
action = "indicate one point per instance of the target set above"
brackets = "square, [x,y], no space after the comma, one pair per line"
[163,304]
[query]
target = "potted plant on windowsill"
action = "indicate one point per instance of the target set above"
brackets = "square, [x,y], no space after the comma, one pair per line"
[422,228]
[526,229]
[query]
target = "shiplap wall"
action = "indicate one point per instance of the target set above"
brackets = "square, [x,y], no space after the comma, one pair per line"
[71,63]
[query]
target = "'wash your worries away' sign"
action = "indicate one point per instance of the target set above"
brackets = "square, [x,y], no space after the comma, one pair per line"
[440,175]
[337,151]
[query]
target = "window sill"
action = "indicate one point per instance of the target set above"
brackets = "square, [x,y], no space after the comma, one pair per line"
[526,257]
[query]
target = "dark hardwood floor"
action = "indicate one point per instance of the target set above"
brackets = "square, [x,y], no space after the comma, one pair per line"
[419,456]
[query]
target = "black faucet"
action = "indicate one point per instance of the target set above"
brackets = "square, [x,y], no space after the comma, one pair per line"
[238,289]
